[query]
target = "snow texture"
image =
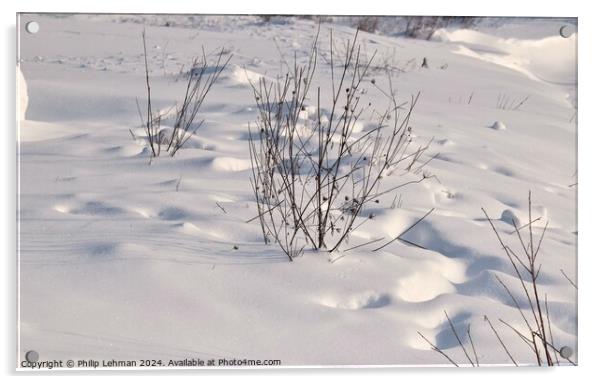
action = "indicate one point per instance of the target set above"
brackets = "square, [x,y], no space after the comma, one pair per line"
[122,259]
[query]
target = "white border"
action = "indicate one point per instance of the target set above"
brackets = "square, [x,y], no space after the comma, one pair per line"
[590,192]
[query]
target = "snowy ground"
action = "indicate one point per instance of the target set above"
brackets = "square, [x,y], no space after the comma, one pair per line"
[120,259]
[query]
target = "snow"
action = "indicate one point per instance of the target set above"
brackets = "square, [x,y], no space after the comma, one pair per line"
[552,58]
[22,95]
[126,258]
[499,126]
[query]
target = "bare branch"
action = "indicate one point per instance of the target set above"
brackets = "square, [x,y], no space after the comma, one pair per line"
[437,349]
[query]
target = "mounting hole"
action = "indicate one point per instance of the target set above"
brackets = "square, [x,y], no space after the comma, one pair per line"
[32,27]
[32,356]
[566,352]
[567,30]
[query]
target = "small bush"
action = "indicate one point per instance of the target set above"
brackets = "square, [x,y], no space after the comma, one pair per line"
[527,267]
[537,332]
[368,24]
[200,79]
[312,177]
[266,18]
[423,27]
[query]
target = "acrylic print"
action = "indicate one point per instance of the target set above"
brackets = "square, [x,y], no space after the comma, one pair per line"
[231,191]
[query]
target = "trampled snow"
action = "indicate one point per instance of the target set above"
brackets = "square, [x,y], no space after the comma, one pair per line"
[126,258]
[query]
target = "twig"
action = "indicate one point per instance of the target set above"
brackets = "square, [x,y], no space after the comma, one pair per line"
[405,231]
[364,244]
[527,341]
[220,207]
[411,243]
[566,277]
[524,226]
[474,351]
[458,338]
[500,340]
[437,349]
[550,327]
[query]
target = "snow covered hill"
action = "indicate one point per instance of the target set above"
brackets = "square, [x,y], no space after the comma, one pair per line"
[122,258]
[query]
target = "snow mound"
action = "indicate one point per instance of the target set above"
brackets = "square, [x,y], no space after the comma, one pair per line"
[23,96]
[32,131]
[243,76]
[435,277]
[230,164]
[364,300]
[498,126]
[539,216]
[512,217]
[544,59]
